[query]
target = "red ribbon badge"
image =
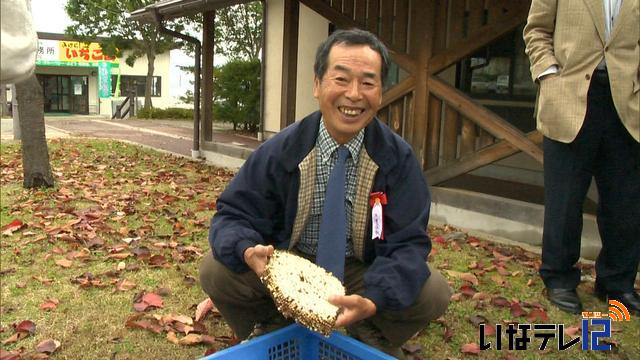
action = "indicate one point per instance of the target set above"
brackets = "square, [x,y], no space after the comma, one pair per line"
[376,200]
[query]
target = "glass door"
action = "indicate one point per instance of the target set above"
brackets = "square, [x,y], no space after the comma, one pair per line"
[79,95]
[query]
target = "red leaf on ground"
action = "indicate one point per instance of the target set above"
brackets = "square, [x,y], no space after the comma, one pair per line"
[473,241]
[439,240]
[517,310]
[27,326]
[467,290]
[500,301]
[471,349]
[148,300]
[538,315]
[11,227]
[49,304]
[489,330]
[48,346]
[10,355]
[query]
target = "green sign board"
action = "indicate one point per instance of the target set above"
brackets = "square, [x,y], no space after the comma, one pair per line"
[104,79]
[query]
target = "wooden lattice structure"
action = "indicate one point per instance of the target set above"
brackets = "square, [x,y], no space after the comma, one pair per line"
[450,132]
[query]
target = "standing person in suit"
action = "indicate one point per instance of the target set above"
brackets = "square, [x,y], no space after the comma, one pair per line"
[585,56]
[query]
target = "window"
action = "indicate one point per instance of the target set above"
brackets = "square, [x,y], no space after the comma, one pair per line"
[497,76]
[127,82]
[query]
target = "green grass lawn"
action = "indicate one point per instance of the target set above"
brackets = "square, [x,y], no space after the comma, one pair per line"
[123,220]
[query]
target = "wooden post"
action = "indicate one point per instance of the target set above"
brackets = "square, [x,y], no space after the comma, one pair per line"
[289,62]
[422,21]
[208,47]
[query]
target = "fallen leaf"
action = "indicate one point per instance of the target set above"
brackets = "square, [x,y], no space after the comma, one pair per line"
[469,277]
[489,330]
[572,331]
[147,301]
[64,263]
[191,339]
[43,281]
[481,296]
[476,320]
[203,308]
[10,355]
[500,301]
[501,257]
[49,304]
[48,346]
[12,227]
[538,315]
[517,310]
[471,349]
[27,326]
[171,336]
[124,285]
[467,290]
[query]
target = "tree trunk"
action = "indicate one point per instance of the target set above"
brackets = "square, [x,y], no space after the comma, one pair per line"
[151,58]
[35,154]
[4,109]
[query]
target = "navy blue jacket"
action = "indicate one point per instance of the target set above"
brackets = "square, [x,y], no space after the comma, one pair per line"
[260,204]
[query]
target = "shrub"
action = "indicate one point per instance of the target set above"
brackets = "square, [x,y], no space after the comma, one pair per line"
[237,94]
[168,113]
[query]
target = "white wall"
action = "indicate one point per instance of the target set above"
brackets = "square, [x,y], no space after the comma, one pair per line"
[161,68]
[313,29]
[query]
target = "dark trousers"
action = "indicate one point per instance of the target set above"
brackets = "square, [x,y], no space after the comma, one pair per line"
[603,149]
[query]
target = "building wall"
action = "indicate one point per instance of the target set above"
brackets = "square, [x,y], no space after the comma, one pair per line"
[161,68]
[273,66]
[313,29]
[49,42]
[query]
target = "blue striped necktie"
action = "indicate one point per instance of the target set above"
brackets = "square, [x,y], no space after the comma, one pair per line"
[332,240]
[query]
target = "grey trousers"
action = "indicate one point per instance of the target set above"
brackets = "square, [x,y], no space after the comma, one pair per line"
[244,301]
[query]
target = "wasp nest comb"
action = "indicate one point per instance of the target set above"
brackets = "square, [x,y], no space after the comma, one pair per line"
[300,290]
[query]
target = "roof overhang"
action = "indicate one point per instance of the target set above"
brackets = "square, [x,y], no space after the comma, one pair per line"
[171,9]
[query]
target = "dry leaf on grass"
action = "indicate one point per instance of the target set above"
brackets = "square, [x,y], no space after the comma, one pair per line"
[471,349]
[48,346]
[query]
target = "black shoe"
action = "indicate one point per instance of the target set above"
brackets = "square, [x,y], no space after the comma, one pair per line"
[565,299]
[629,299]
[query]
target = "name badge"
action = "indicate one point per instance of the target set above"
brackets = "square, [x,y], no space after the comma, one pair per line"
[376,200]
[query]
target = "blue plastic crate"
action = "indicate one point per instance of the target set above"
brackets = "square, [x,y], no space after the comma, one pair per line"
[297,342]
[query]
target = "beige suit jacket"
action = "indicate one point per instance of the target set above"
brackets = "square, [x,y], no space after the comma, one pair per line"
[571,35]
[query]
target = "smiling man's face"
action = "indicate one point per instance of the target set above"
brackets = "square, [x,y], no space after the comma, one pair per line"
[350,91]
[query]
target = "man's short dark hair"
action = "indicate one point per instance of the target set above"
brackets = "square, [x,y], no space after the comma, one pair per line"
[350,37]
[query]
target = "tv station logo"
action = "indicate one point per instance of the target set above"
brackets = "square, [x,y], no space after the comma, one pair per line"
[595,326]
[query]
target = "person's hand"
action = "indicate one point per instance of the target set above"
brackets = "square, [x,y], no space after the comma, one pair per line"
[257,257]
[353,308]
